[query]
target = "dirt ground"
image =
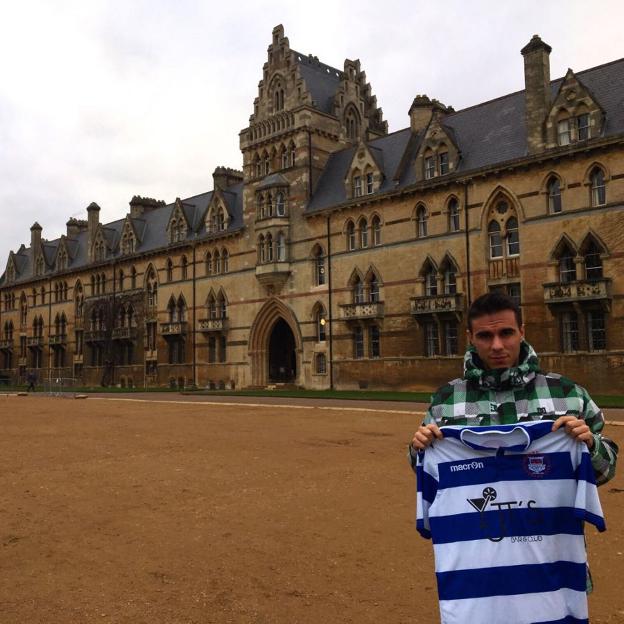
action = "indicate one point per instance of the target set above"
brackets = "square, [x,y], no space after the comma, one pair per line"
[159,512]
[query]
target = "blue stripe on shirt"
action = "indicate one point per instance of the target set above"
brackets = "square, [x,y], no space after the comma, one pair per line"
[505,523]
[511,580]
[479,470]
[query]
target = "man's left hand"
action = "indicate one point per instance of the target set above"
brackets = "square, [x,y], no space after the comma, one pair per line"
[577,428]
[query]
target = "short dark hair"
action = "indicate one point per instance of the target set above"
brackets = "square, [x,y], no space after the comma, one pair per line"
[493,302]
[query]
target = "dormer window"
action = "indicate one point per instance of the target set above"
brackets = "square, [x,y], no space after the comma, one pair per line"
[369,183]
[443,163]
[582,127]
[429,167]
[357,186]
[570,129]
[563,132]
[39,266]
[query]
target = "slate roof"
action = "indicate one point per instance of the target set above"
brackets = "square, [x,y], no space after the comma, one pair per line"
[151,226]
[487,134]
[331,188]
[321,80]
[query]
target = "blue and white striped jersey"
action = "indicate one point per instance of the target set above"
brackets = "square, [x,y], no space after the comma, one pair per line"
[505,508]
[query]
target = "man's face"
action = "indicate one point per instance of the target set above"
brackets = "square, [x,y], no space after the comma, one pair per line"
[497,339]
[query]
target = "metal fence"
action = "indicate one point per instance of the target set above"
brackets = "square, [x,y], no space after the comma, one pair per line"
[60,386]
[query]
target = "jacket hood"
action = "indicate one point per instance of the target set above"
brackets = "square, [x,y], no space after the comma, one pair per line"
[500,379]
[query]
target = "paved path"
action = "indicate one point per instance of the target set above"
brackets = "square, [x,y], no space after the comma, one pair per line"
[613,415]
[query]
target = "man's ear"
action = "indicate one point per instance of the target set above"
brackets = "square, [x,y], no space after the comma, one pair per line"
[522,331]
[469,337]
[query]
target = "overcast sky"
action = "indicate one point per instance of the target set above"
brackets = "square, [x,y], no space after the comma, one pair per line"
[102,100]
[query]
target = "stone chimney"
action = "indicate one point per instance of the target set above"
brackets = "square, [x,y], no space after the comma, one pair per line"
[93,220]
[75,226]
[537,91]
[140,205]
[223,177]
[35,240]
[422,110]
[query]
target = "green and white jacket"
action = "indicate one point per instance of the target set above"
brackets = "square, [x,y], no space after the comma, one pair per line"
[521,393]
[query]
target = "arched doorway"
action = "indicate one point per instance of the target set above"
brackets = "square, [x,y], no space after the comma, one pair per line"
[282,354]
[275,342]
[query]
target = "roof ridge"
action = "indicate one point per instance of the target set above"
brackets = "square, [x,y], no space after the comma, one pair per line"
[552,83]
[317,63]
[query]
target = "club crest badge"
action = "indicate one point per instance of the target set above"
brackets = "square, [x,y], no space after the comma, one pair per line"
[537,465]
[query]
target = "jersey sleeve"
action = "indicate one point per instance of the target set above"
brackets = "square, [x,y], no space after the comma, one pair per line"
[587,503]
[426,490]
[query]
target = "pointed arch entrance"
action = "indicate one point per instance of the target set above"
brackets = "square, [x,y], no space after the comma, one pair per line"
[275,345]
[282,353]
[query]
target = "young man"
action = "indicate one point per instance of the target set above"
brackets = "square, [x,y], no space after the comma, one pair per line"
[503,384]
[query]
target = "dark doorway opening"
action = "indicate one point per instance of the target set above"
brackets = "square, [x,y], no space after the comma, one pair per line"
[282,354]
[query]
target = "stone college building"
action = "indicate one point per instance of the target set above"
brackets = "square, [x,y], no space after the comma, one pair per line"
[343,255]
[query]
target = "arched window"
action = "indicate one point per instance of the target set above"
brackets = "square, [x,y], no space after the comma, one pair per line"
[280,204]
[268,206]
[598,190]
[319,267]
[181,309]
[357,185]
[513,238]
[257,165]
[363,227]
[133,276]
[216,262]
[593,263]
[554,195]
[293,153]
[184,267]
[208,263]
[358,290]
[122,278]
[350,235]
[453,215]
[211,306]
[103,282]
[284,157]
[269,248]
[267,163]
[152,288]
[450,279]
[221,306]
[169,270]
[496,242]
[259,206]
[373,289]
[376,227]
[321,324]
[225,261]
[281,247]
[431,282]
[352,124]
[261,249]
[421,221]
[567,266]
[172,310]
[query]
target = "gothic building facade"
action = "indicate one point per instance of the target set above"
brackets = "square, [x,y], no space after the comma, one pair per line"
[343,255]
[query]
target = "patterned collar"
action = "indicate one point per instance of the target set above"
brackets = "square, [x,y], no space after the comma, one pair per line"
[503,378]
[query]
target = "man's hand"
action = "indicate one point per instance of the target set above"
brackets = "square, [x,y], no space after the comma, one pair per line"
[425,435]
[577,428]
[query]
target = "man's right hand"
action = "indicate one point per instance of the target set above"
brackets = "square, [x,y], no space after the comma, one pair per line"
[425,435]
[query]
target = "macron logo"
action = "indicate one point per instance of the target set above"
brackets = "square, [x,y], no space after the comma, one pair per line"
[473,465]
